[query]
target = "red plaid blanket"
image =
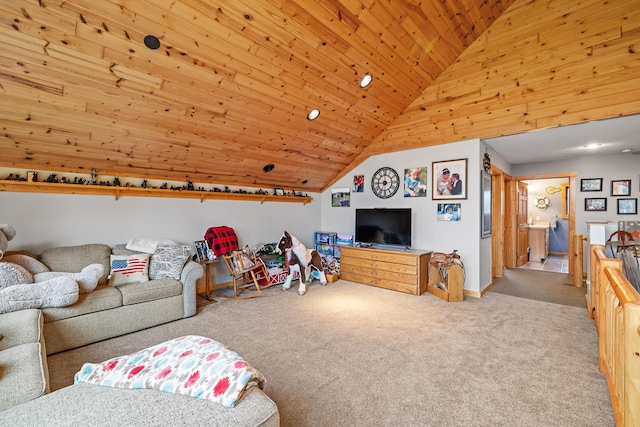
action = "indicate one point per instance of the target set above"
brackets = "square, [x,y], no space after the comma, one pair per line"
[221,240]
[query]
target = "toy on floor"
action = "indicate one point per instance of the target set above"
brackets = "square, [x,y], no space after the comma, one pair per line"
[299,258]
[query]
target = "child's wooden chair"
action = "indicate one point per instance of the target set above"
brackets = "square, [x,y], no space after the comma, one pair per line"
[245,269]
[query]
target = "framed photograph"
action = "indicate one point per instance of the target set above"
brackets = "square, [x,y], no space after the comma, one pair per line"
[485,215]
[449,180]
[449,212]
[591,184]
[358,183]
[621,187]
[595,204]
[278,192]
[202,250]
[627,206]
[340,198]
[415,182]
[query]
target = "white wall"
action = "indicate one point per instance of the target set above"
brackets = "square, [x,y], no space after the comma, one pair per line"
[611,167]
[46,220]
[428,232]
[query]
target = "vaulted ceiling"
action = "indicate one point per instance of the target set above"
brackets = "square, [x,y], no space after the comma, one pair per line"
[229,86]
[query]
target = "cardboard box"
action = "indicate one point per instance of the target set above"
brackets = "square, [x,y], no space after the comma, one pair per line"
[332,278]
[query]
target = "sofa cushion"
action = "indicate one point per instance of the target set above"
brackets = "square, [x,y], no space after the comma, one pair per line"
[134,293]
[23,376]
[23,363]
[102,298]
[20,327]
[121,249]
[129,269]
[73,259]
[88,404]
[168,260]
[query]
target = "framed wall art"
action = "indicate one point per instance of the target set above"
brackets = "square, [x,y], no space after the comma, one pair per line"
[415,182]
[591,184]
[449,212]
[621,187]
[340,197]
[358,183]
[627,206]
[595,204]
[449,180]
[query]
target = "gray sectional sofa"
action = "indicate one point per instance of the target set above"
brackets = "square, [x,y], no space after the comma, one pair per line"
[110,311]
[106,312]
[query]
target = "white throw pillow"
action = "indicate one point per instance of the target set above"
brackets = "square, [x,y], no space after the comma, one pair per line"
[147,245]
[129,269]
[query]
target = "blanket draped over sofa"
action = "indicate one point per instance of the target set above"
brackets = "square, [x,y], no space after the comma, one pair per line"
[191,365]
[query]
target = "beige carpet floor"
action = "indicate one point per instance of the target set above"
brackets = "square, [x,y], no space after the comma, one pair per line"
[352,355]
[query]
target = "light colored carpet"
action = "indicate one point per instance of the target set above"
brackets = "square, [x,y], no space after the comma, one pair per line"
[352,355]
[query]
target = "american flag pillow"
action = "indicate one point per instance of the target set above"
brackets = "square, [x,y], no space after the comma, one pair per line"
[129,269]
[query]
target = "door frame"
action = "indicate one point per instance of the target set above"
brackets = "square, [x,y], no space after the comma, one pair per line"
[498,220]
[510,185]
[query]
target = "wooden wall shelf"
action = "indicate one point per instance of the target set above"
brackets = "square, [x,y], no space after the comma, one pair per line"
[117,192]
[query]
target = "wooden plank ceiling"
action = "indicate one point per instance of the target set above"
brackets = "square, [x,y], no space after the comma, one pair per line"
[230,85]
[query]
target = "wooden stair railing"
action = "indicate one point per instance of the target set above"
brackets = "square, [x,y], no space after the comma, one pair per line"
[616,311]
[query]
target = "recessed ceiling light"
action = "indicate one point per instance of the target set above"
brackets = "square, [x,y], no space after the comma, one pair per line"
[151,42]
[366,80]
[313,114]
[626,150]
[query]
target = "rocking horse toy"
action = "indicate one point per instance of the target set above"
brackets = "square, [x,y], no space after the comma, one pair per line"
[298,258]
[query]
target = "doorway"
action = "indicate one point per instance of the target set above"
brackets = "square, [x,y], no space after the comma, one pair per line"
[543,210]
[512,207]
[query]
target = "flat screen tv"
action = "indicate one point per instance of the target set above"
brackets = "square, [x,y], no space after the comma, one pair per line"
[383,226]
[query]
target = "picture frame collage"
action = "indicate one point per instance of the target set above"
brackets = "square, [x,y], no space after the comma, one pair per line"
[620,188]
[449,182]
[448,179]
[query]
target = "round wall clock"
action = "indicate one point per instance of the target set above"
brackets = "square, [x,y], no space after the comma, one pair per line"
[385,182]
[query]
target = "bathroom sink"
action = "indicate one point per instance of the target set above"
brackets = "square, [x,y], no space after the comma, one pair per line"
[539,224]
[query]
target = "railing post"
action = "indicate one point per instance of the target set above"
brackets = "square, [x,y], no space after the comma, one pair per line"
[631,404]
[578,260]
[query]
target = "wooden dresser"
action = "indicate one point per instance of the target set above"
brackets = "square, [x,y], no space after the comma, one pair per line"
[399,270]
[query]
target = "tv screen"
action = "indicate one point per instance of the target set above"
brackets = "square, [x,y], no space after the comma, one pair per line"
[391,226]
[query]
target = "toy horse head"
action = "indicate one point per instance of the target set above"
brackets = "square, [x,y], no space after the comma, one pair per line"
[285,242]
